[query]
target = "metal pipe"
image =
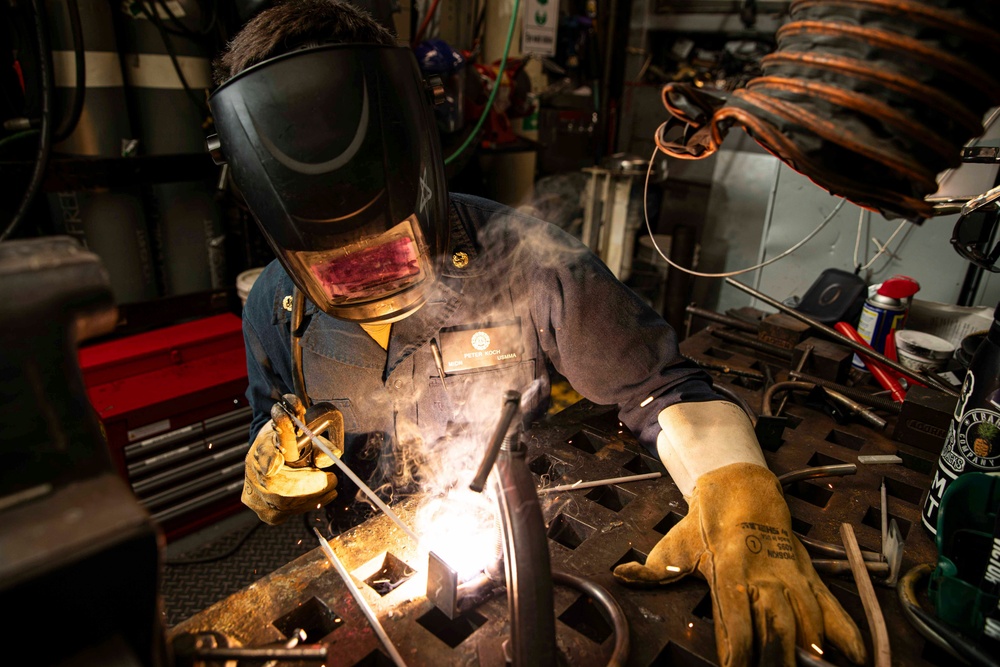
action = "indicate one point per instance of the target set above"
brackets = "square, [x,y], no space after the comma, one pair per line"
[360,599]
[806,353]
[526,561]
[839,337]
[612,612]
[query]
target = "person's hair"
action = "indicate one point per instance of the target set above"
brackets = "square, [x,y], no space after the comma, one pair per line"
[295,24]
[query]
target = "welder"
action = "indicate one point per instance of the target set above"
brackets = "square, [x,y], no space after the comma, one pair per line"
[423,307]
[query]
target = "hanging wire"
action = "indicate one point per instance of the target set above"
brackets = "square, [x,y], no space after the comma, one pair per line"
[727,274]
[45,134]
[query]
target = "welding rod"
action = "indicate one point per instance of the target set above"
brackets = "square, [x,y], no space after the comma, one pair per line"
[369,614]
[836,335]
[350,474]
[713,316]
[600,482]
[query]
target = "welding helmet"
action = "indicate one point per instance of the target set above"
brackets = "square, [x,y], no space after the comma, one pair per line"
[335,150]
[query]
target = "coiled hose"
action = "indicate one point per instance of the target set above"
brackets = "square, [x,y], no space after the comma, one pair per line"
[870,99]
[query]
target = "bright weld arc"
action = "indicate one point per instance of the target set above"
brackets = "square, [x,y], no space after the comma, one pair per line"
[817,649]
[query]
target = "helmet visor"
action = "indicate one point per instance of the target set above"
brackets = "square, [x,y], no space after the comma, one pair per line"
[336,152]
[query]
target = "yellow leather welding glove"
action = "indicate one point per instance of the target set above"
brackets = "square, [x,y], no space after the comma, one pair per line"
[737,535]
[275,490]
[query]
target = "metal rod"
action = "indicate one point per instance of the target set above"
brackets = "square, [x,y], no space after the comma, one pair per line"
[277,653]
[876,621]
[844,566]
[613,612]
[511,409]
[600,482]
[723,368]
[836,335]
[713,316]
[859,395]
[362,603]
[738,338]
[798,368]
[838,470]
[350,474]
[853,407]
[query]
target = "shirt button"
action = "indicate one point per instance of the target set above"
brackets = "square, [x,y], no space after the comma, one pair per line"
[398,384]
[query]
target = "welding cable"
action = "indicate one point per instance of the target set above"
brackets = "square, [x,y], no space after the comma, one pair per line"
[69,123]
[214,558]
[493,93]
[907,591]
[612,612]
[45,134]
[870,99]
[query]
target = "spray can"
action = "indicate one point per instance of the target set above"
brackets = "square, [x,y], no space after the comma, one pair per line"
[884,312]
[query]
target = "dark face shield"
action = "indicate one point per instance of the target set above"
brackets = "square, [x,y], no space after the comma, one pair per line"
[975,233]
[336,152]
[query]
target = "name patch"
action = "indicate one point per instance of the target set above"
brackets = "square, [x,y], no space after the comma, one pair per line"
[476,346]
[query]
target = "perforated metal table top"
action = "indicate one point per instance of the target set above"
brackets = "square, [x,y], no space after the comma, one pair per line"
[591,531]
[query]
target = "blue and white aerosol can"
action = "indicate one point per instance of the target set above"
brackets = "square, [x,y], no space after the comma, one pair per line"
[884,312]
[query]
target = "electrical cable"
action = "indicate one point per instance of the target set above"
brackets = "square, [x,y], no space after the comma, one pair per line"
[493,93]
[80,88]
[45,138]
[426,22]
[199,104]
[17,137]
[216,557]
[727,274]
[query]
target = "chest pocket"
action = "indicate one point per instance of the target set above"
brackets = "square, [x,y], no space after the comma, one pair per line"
[474,397]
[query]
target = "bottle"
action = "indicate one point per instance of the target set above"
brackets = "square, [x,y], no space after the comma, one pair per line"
[972,443]
[884,312]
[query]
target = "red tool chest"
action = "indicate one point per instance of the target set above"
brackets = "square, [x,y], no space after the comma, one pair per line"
[173,407]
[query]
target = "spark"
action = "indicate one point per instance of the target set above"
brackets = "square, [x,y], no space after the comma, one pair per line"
[690,625]
[649,399]
[817,649]
[673,568]
[830,485]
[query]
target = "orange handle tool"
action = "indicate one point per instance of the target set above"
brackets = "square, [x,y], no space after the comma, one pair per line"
[880,372]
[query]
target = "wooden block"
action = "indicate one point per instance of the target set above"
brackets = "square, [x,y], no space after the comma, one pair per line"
[782,331]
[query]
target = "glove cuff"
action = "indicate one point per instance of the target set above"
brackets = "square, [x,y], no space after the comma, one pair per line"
[698,438]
